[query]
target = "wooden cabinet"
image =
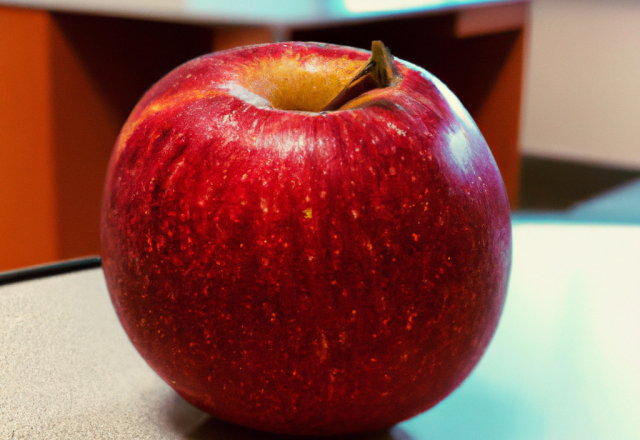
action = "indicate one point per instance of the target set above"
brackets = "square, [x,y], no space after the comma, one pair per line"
[69,79]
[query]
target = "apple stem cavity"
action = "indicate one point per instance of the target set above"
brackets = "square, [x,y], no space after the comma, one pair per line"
[379,72]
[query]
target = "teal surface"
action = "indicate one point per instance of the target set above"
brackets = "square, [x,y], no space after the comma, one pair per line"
[565,359]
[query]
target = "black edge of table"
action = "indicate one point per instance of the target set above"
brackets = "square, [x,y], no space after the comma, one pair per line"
[51,269]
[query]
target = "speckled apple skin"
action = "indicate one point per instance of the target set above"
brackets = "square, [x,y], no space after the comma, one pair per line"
[298,272]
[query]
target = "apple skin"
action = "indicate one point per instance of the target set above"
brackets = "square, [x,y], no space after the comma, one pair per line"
[305,272]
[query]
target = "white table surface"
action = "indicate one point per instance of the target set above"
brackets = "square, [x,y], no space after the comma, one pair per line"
[564,362]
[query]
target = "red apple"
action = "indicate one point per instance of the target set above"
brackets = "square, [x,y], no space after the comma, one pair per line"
[302,270]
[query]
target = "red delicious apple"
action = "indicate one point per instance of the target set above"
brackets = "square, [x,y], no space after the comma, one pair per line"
[300,263]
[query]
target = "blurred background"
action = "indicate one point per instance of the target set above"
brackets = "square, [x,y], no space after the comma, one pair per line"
[552,84]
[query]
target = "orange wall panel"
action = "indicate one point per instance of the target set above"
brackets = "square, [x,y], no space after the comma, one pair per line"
[100,67]
[27,192]
[85,126]
[498,117]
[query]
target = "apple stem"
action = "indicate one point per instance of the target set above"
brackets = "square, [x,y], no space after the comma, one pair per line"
[379,72]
